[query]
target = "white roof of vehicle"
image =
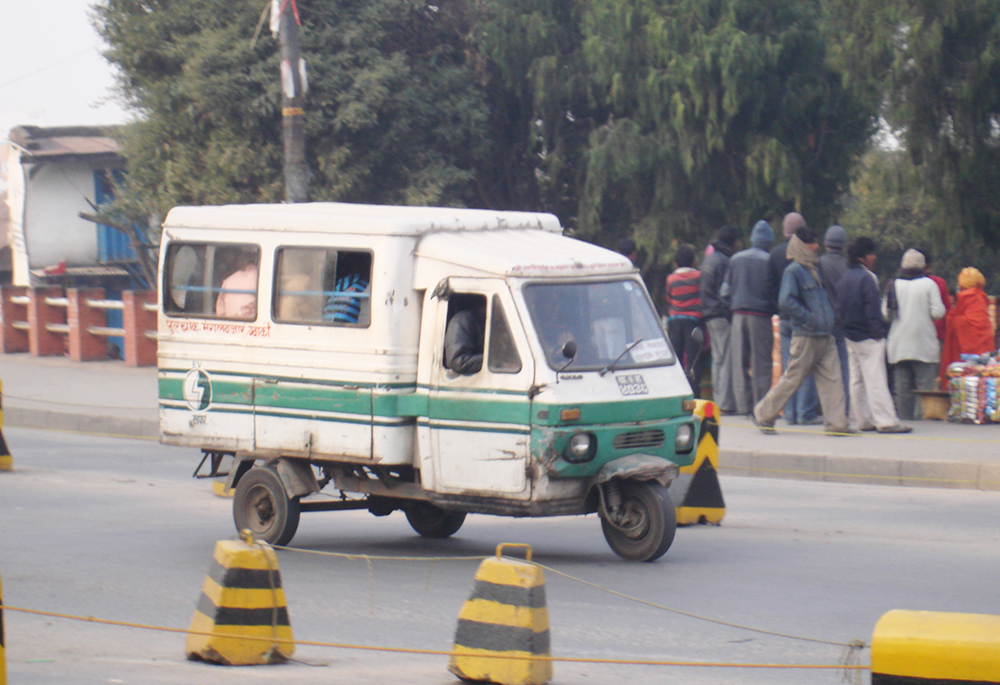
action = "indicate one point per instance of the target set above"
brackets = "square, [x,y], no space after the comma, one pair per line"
[336,217]
[519,253]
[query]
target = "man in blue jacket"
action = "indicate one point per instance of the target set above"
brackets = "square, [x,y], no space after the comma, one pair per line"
[813,349]
[860,307]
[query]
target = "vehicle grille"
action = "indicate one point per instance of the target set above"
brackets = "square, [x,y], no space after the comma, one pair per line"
[629,441]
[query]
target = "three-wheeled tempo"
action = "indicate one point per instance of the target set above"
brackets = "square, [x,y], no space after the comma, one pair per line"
[435,361]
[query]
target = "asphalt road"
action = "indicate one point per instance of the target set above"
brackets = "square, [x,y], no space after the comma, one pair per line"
[117,529]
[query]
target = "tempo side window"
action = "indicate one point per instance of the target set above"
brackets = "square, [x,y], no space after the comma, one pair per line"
[212,280]
[503,356]
[322,286]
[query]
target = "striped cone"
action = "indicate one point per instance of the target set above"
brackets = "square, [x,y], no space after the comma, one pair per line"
[506,616]
[6,461]
[241,617]
[696,489]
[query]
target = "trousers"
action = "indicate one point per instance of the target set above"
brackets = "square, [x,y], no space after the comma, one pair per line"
[751,343]
[871,402]
[815,355]
[722,364]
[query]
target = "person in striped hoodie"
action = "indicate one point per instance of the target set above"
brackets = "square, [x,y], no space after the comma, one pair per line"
[684,313]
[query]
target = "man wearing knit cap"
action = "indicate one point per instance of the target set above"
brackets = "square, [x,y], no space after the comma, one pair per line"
[717,316]
[832,266]
[803,407]
[813,349]
[912,303]
[751,337]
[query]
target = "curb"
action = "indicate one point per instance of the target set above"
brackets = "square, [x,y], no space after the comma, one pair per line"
[17,417]
[861,470]
[788,466]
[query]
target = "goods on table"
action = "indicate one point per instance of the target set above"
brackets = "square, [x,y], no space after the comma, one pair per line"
[973,383]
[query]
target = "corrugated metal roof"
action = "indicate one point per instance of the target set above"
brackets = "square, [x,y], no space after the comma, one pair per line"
[44,144]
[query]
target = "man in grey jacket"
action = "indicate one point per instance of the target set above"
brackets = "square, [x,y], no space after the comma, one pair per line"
[751,337]
[717,316]
[813,350]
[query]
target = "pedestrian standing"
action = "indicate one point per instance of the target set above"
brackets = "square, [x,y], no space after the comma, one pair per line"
[860,311]
[911,305]
[751,337]
[803,407]
[969,330]
[804,301]
[684,314]
[717,316]
[939,324]
[832,266]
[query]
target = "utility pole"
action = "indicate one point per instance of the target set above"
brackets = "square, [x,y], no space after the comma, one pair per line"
[293,86]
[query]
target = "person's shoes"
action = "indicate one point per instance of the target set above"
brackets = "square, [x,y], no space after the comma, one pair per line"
[898,428]
[868,429]
[792,421]
[843,432]
[814,421]
[765,428]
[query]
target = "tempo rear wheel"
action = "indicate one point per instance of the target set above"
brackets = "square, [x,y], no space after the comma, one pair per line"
[261,505]
[432,521]
[643,528]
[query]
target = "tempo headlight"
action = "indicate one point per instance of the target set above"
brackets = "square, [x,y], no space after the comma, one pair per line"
[580,448]
[684,440]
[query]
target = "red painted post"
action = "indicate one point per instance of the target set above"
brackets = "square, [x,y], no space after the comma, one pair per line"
[139,349]
[42,342]
[84,346]
[14,339]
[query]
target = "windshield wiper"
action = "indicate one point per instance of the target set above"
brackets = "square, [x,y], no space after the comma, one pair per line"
[611,366]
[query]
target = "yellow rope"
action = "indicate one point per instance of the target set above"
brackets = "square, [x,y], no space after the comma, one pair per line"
[437,652]
[368,558]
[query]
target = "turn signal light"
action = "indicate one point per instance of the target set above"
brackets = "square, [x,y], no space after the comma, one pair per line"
[569,415]
[688,405]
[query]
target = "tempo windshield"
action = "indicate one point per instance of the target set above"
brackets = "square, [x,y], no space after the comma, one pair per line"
[603,318]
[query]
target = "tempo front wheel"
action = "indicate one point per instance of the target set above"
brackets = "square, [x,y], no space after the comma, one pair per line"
[261,505]
[643,527]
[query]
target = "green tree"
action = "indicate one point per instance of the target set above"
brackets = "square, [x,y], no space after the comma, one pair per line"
[945,98]
[722,111]
[394,114]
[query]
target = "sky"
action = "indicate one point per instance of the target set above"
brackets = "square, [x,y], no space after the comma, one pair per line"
[52,72]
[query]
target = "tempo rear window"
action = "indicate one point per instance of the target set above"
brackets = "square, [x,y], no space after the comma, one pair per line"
[212,280]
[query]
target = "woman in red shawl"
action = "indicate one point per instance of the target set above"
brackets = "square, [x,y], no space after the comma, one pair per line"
[968,329]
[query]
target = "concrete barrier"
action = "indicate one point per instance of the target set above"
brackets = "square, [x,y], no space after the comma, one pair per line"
[910,647]
[241,598]
[3,653]
[503,624]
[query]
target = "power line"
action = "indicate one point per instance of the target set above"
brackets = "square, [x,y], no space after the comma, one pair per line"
[49,66]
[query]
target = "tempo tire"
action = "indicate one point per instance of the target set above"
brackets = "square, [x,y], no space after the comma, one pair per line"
[647,525]
[432,521]
[261,505]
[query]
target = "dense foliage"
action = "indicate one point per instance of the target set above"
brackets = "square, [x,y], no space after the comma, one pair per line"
[653,119]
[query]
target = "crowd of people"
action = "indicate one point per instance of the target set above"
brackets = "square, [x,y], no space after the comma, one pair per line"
[854,357]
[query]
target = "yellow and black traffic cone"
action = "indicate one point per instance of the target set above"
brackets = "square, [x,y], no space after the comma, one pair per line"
[6,461]
[696,491]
